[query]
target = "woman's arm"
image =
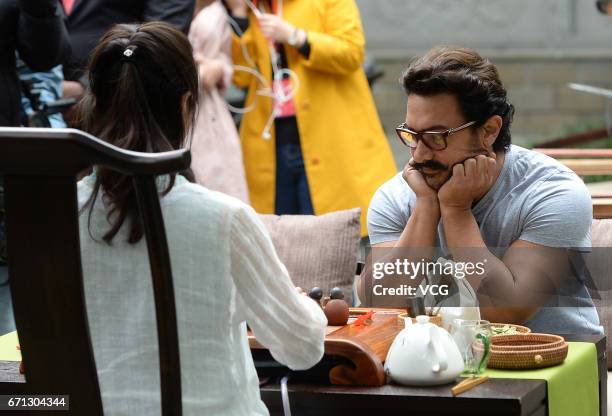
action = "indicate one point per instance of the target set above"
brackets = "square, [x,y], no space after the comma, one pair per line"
[290,325]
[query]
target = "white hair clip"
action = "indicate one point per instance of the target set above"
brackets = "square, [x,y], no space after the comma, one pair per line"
[128,52]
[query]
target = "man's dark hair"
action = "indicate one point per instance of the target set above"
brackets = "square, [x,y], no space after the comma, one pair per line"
[472,79]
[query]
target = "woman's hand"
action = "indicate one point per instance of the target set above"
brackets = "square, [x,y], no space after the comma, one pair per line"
[73,89]
[275,28]
[210,72]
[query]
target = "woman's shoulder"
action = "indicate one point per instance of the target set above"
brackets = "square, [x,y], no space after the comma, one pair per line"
[200,197]
[189,198]
[198,206]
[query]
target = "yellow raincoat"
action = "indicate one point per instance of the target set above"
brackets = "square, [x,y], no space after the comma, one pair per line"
[345,151]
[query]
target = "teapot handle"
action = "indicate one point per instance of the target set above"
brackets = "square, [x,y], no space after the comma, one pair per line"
[441,362]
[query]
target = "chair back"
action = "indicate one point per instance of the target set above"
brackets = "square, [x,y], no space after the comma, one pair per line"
[40,167]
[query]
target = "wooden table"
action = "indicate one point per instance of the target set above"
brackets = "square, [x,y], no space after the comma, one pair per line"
[499,397]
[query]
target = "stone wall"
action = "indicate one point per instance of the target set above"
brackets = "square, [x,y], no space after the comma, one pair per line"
[530,26]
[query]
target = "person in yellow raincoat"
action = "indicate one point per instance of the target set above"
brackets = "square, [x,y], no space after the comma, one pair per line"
[330,124]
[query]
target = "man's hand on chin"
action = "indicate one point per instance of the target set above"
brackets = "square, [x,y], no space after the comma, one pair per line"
[469,182]
[417,183]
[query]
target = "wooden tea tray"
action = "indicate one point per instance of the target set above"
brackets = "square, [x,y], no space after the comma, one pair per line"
[365,347]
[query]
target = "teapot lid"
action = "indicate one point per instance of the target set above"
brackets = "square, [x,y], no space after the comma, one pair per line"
[422,319]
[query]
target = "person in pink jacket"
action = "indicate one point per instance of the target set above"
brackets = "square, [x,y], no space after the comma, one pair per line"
[215,149]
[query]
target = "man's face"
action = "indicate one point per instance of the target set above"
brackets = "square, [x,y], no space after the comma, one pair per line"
[438,113]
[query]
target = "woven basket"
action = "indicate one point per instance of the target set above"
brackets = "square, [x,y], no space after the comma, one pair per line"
[520,328]
[524,351]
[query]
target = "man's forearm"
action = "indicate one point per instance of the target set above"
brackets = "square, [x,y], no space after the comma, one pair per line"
[461,228]
[466,244]
[422,226]
[416,241]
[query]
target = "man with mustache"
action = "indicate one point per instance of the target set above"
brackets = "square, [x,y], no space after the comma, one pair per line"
[471,193]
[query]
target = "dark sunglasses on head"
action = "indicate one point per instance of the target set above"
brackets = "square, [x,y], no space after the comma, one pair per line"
[435,140]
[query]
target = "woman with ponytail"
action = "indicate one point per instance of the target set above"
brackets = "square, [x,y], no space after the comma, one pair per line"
[142,97]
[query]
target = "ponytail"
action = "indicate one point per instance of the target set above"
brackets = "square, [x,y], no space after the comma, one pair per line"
[139,93]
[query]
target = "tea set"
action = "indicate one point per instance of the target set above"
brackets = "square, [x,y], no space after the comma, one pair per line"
[424,354]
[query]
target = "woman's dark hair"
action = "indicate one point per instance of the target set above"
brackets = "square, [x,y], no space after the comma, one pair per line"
[472,79]
[142,97]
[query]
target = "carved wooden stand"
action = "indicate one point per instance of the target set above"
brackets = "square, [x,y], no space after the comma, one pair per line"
[365,346]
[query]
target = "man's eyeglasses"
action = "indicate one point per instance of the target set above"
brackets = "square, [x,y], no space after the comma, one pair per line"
[435,140]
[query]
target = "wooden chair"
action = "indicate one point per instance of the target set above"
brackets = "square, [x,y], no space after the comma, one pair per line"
[40,168]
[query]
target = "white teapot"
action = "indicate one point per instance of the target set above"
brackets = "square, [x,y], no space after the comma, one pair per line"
[423,354]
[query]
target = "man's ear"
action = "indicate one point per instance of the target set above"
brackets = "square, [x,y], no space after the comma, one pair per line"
[491,129]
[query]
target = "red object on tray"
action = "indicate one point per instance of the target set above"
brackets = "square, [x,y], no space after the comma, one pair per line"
[364,319]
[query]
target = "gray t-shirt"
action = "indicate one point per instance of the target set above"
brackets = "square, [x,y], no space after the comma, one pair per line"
[535,199]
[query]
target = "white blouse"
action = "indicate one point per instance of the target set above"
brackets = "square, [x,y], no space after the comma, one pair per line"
[226,274]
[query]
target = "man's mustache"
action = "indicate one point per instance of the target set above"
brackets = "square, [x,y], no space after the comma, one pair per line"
[434,165]
[430,164]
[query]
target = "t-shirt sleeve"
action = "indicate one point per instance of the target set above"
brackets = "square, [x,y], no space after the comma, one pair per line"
[559,214]
[290,325]
[386,219]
